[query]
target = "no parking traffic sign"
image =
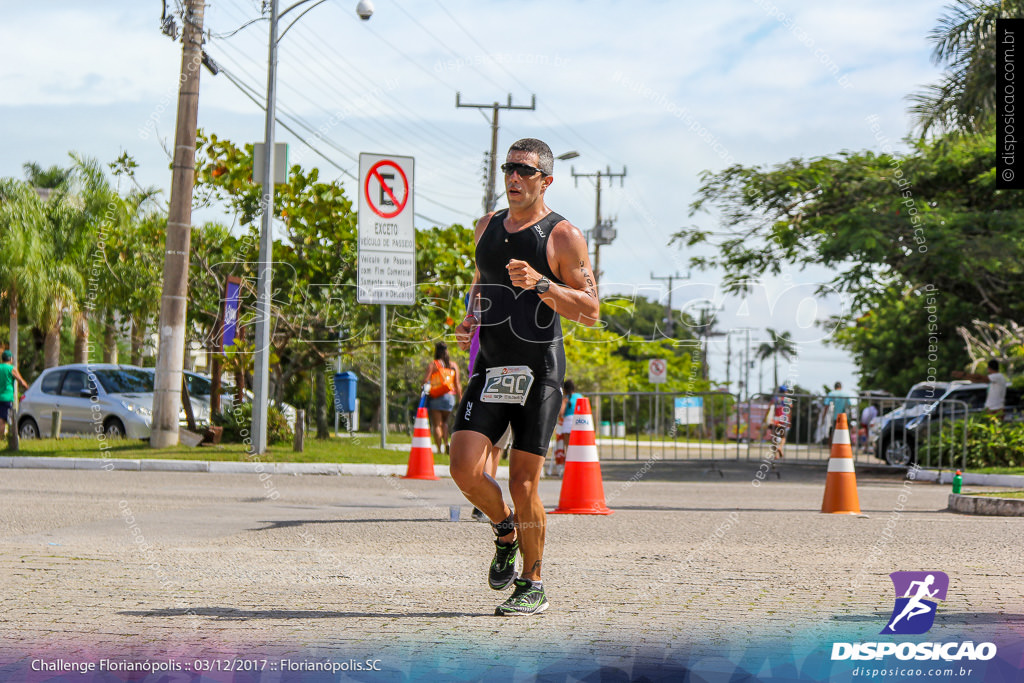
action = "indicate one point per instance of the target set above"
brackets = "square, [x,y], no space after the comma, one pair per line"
[387,237]
[657,371]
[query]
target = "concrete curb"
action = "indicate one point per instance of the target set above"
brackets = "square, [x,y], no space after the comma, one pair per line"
[221,467]
[986,505]
[972,479]
[175,466]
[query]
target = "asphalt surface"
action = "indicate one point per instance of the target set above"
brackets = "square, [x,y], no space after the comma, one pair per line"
[694,556]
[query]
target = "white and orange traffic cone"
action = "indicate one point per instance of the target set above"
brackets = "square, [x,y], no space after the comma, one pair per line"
[421,455]
[582,489]
[841,481]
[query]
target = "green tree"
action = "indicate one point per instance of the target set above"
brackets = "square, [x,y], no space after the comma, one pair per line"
[314,289]
[23,224]
[885,225]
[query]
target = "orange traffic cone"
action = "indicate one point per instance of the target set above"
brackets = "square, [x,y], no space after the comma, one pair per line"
[421,456]
[841,482]
[582,490]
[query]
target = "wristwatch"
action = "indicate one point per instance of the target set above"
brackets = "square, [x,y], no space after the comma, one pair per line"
[542,285]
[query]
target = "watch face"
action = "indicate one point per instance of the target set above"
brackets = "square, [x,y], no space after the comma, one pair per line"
[542,285]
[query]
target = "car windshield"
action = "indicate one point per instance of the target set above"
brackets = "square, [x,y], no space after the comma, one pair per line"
[929,393]
[198,385]
[125,381]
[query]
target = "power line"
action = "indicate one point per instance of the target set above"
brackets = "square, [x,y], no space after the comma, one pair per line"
[246,91]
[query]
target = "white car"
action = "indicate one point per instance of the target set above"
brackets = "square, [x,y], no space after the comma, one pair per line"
[116,400]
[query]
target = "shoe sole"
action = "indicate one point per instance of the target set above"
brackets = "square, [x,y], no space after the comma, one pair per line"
[513,613]
[515,575]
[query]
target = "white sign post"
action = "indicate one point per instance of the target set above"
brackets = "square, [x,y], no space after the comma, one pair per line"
[386,272]
[657,374]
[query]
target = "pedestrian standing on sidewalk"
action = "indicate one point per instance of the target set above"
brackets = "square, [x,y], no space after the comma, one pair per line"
[8,376]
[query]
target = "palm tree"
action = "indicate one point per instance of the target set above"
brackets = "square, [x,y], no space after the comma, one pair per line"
[23,224]
[52,178]
[964,99]
[782,344]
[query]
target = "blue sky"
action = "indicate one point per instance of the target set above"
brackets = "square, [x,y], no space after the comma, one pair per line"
[666,89]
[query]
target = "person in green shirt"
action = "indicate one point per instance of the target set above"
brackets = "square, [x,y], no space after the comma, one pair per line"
[8,375]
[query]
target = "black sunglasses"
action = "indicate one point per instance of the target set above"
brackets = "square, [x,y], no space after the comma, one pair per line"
[524,170]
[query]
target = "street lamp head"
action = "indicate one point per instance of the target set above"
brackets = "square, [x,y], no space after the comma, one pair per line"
[568,155]
[364,9]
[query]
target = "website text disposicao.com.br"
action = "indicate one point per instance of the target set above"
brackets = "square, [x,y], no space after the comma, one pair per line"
[902,673]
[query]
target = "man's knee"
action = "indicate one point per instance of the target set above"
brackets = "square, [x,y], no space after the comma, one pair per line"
[465,474]
[521,488]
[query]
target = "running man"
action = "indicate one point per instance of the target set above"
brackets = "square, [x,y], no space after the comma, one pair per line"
[914,606]
[532,266]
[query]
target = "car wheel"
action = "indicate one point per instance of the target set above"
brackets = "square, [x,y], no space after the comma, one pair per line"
[898,452]
[28,429]
[114,428]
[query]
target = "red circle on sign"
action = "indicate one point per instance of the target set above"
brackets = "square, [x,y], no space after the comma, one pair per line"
[375,173]
[657,367]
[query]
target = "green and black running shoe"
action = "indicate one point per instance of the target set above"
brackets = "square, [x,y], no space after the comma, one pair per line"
[503,567]
[527,598]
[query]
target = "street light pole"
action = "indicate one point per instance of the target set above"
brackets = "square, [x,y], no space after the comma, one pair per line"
[261,369]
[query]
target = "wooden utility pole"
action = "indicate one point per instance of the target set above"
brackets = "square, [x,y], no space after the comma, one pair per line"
[174,298]
[670,325]
[490,196]
[602,232]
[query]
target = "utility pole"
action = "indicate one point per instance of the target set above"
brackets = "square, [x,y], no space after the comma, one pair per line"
[669,322]
[603,232]
[490,196]
[174,297]
[728,361]
[706,322]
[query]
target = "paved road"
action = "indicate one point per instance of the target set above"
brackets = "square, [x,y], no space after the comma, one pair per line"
[166,564]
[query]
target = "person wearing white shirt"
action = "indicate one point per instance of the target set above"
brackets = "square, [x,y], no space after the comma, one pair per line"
[995,400]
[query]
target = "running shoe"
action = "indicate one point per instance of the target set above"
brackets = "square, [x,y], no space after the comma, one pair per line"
[478,514]
[503,567]
[527,598]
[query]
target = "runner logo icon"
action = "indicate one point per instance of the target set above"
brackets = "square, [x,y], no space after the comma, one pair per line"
[914,612]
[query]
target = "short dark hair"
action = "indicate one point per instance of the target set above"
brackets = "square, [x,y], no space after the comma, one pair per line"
[993,365]
[546,160]
[569,387]
[6,355]
[839,385]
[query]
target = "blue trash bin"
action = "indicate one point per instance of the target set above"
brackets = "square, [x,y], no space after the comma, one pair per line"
[345,392]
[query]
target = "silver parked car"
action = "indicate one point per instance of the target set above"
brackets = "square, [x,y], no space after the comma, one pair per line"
[116,400]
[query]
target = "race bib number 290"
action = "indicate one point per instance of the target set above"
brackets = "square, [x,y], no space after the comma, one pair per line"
[507,385]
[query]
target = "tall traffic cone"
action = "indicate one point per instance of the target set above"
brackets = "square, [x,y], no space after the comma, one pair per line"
[582,490]
[421,455]
[841,482]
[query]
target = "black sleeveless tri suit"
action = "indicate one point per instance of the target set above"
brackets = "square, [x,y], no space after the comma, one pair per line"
[516,329]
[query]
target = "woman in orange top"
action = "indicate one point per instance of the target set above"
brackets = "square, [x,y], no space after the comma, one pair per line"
[444,390]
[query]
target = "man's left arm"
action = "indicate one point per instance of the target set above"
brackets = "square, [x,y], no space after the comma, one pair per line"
[577,299]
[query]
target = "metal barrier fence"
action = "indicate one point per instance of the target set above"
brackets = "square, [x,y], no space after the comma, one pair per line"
[719,426]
